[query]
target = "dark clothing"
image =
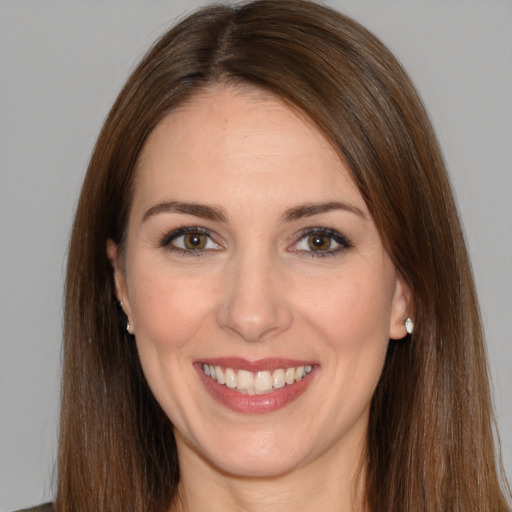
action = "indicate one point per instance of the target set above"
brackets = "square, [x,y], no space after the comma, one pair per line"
[47,507]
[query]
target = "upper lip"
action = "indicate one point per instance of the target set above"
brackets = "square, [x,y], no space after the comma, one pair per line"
[254,365]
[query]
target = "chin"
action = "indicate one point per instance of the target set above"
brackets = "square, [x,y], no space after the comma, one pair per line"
[255,465]
[262,455]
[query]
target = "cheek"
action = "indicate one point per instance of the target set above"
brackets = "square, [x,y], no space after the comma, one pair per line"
[351,310]
[169,320]
[351,321]
[167,309]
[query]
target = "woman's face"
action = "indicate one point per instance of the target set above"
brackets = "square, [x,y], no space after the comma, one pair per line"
[251,255]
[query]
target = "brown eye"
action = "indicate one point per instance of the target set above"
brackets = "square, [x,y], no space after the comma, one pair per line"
[195,241]
[319,242]
[190,240]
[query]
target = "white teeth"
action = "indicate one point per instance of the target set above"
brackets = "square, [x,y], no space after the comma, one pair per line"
[219,375]
[263,381]
[245,380]
[230,378]
[299,373]
[290,375]
[256,383]
[278,378]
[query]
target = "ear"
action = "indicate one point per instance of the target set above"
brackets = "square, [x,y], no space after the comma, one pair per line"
[121,289]
[401,309]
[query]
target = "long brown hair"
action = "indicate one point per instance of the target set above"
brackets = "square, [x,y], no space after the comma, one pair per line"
[430,439]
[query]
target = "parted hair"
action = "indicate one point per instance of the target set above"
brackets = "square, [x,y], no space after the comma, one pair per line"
[430,437]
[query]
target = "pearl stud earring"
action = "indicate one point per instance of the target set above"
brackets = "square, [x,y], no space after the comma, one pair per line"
[409,326]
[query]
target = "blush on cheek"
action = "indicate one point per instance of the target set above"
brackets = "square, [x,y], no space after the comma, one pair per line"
[168,317]
[169,330]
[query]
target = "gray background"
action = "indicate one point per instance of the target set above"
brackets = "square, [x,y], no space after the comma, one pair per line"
[61,66]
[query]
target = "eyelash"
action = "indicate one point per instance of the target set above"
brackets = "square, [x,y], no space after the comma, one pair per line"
[168,239]
[343,242]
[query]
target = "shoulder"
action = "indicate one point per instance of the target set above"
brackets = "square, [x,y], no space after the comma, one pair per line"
[47,507]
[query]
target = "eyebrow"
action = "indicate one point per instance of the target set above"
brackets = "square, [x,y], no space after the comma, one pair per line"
[311,209]
[195,209]
[217,214]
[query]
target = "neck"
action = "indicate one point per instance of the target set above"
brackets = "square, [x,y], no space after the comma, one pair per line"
[328,484]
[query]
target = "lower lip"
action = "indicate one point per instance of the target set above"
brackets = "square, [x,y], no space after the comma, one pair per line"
[255,404]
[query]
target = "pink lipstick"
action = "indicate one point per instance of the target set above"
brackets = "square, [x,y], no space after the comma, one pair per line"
[256,387]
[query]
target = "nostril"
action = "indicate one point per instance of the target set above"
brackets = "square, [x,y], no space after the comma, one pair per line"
[254,320]
[253,305]
[252,328]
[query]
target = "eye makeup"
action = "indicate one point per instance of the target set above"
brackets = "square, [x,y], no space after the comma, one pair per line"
[310,242]
[320,242]
[189,241]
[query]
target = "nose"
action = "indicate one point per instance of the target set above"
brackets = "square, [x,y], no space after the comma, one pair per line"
[254,305]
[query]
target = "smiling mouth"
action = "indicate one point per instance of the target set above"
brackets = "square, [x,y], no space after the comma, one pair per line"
[256,383]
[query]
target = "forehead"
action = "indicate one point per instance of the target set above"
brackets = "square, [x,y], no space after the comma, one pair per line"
[228,143]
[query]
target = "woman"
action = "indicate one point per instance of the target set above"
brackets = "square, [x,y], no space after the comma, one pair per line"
[269,301]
